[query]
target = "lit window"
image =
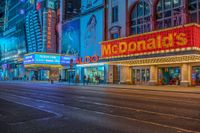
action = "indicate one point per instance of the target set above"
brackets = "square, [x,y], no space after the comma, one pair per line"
[140,18]
[169,13]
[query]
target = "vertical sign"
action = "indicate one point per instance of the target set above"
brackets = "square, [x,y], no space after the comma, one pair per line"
[49,29]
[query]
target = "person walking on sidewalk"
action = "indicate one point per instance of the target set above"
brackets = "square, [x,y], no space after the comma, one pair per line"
[84,79]
[88,80]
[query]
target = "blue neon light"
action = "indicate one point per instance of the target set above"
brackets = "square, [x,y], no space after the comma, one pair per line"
[48,59]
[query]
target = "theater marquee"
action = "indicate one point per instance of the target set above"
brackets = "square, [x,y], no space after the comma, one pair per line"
[174,38]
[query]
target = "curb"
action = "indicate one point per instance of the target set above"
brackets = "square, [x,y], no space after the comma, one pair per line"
[126,88]
[104,86]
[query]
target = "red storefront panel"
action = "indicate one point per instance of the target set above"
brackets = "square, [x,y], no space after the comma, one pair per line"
[180,37]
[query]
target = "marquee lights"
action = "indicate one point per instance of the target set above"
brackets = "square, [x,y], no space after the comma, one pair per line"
[47,59]
[160,41]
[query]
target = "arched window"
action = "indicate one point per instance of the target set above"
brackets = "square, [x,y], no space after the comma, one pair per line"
[194,11]
[140,18]
[169,13]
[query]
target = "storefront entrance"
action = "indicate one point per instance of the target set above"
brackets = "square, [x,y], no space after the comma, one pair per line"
[196,76]
[95,74]
[44,75]
[70,75]
[169,76]
[140,75]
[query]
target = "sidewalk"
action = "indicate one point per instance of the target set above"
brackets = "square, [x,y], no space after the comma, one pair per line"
[168,88]
[178,89]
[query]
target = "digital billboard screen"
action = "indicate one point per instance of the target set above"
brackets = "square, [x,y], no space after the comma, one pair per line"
[48,59]
[70,38]
[91,33]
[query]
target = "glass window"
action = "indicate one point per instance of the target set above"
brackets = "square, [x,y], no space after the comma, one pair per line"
[167,4]
[167,23]
[140,18]
[134,14]
[115,36]
[193,17]
[194,13]
[146,9]
[177,3]
[133,30]
[193,7]
[159,6]
[115,14]
[140,9]
[169,15]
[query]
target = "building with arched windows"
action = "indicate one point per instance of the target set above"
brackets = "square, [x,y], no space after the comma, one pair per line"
[153,42]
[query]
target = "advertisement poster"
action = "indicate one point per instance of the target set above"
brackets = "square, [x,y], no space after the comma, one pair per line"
[91,33]
[89,4]
[71,38]
[12,47]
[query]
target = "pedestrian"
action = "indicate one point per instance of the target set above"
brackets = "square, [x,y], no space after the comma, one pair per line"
[51,80]
[72,77]
[77,78]
[84,79]
[60,78]
[88,80]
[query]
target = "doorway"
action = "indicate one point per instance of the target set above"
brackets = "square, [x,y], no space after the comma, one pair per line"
[140,75]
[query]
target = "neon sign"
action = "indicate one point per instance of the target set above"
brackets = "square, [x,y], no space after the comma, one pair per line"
[49,59]
[151,42]
[49,29]
[65,60]
[87,59]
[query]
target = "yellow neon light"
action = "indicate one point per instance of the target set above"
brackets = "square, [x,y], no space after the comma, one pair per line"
[156,52]
[166,29]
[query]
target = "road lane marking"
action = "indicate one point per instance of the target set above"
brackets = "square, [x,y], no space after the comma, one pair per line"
[139,110]
[98,112]
[122,107]
[116,94]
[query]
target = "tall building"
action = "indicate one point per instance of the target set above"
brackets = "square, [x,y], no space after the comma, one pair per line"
[91,33]
[13,44]
[2,10]
[30,26]
[71,9]
[152,42]
[41,25]
[69,35]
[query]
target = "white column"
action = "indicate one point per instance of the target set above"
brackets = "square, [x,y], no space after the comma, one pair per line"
[153,75]
[185,75]
[125,74]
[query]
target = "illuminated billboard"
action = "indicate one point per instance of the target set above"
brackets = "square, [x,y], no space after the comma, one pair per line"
[71,38]
[30,59]
[12,47]
[48,59]
[65,60]
[91,33]
[160,41]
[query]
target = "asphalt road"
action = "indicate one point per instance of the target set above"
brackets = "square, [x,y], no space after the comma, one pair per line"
[47,108]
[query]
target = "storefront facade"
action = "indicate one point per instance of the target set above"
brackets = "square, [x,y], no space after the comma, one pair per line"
[164,57]
[90,70]
[46,66]
[91,73]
